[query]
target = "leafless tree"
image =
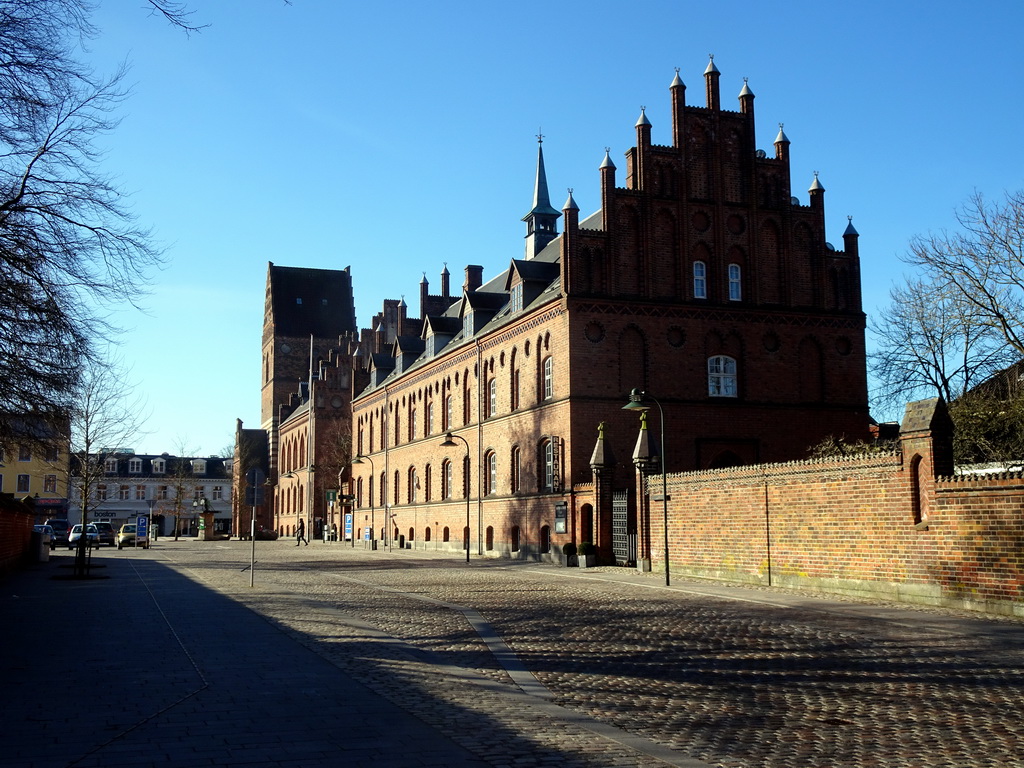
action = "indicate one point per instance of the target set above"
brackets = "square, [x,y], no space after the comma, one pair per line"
[984,262]
[69,245]
[930,341]
[105,416]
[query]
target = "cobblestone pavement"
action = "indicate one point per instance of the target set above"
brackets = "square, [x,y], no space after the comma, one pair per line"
[634,674]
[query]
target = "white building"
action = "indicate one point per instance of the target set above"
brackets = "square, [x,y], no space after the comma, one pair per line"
[170,488]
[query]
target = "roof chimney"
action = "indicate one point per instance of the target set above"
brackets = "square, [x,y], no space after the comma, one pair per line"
[474,277]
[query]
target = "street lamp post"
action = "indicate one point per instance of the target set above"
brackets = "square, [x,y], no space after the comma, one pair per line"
[636,403]
[373,530]
[449,442]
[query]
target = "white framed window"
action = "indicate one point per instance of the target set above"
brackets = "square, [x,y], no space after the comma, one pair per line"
[101,493]
[446,479]
[449,411]
[198,466]
[161,492]
[199,493]
[50,484]
[412,422]
[218,492]
[134,466]
[516,297]
[24,483]
[492,397]
[491,462]
[159,466]
[735,283]
[700,280]
[140,492]
[722,376]
[548,465]
[110,466]
[430,418]
[467,325]
[123,492]
[549,380]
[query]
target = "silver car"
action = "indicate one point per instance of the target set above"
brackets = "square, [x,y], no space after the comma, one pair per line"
[92,536]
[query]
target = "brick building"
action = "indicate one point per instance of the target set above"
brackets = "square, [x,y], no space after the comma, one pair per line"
[702,281]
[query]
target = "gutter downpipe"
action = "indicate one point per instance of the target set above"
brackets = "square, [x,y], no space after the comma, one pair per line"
[479,452]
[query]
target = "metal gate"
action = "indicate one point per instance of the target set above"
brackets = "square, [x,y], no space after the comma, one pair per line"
[623,535]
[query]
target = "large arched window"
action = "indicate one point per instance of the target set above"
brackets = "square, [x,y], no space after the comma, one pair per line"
[546,476]
[414,483]
[722,376]
[515,470]
[735,283]
[549,379]
[446,479]
[700,280]
[491,476]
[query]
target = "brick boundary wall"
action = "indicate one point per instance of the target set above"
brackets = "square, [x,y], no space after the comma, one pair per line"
[16,521]
[874,526]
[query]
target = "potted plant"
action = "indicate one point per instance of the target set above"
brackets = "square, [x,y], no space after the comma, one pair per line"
[569,554]
[586,555]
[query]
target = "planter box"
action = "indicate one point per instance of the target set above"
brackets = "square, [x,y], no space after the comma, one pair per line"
[587,561]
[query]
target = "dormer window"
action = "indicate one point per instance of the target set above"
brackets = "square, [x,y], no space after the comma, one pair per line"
[159,467]
[135,466]
[110,466]
[467,324]
[198,466]
[516,297]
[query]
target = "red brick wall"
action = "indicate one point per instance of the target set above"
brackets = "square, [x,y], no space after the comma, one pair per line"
[15,533]
[849,526]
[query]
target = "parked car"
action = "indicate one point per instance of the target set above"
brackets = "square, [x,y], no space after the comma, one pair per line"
[106,533]
[92,536]
[48,534]
[126,537]
[61,530]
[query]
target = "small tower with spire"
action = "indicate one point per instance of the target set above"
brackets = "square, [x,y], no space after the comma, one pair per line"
[542,220]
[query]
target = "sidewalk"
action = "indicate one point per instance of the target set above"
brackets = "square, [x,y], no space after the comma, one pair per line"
[411,658]
[146,667]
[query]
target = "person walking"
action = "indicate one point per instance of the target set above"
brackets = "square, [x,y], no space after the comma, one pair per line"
[300,533]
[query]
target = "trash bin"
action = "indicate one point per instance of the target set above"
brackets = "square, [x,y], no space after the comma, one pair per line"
[40,547]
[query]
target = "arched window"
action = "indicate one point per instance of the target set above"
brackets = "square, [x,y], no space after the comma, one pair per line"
[465,537]
[700,280]
[445,534]
[514,470]
[492,396]
[395,492]
[722,376]
[359,492]
[735,283]
[414,482]
[426,483]
[489,544]
[491,475]
[546,477]
[549,379]
[426,533]
[544,545]
[514,535]
[449,411]
[446,479]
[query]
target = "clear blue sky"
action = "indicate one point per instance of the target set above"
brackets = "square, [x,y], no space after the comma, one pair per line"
[397,136]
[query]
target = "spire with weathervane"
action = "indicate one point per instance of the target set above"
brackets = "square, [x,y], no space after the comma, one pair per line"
[542,220]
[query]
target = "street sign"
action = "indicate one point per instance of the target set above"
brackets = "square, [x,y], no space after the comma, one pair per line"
[255,476]
[141,528]
[348,526]
[332,496]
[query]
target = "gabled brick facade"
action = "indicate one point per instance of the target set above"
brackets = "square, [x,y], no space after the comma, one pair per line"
[702,281]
